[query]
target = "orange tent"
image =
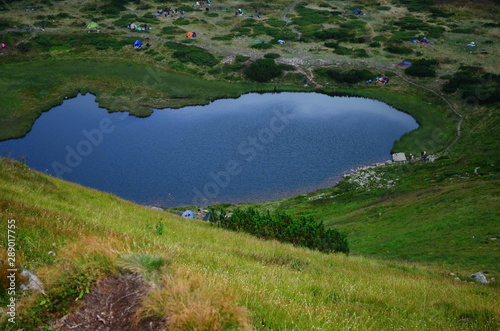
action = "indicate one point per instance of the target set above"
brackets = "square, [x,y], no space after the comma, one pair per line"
[190,35]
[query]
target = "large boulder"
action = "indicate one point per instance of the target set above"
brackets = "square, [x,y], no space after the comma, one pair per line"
[479,277]
[398,157]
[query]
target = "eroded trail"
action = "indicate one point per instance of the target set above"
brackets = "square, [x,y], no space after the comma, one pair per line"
[284,16]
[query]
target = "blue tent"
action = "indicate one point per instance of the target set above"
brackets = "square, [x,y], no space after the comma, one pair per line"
[404,64]
[138,44]
[188,214]
[357,11]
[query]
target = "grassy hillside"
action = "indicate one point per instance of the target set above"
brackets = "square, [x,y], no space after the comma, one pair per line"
[412,228]
[215,278]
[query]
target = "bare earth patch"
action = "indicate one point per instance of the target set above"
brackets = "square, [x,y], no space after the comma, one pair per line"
[111,305]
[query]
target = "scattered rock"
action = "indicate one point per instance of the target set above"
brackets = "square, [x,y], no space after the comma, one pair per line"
[456,278]
[479,277]
[493,239]
[33,282]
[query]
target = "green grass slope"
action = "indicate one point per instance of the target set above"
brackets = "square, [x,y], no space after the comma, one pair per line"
[249,282]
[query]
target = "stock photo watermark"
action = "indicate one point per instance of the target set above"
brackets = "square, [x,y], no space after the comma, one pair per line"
[248,150]
[11,270]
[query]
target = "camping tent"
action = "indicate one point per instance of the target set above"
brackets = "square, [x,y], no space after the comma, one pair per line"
[188,214]
[404,64]
[92,25]
[357,11]
[138,44]
[191,34]
[132,26]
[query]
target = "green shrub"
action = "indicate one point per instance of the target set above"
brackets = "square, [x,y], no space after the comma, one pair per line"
[25,47]
[422,68]
[477,86]
[310,16]
[263,70]
[272,55]
[170,30]
[417,5]
[210,14]
[276,22]
[360,53]
[331,44]
[181,21]
[436,12]
[349,77]
[398,50]
[304,232]
[186,8]
[196,55]
[463,30]
[341,50]
[262,46]
[242,58]
[375,44]
[224,37]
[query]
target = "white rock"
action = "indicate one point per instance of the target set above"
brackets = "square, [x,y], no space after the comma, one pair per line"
[398,157]
[33,282]
[479,277]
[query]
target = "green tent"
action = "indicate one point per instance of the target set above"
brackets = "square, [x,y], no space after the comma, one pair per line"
[92,25]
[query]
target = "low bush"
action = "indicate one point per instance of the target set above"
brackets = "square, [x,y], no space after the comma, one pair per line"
[263,70]
[331,44]
[422,68]
[262,46]
[224,37]
[361,53]
[272,55]
[305,231]
[25,47]
[341,50]
[196,55]
[398,50]
[310,16]
[170,30]
[349,77]
[181,21]
[463,30]
[241,58]
[477,86]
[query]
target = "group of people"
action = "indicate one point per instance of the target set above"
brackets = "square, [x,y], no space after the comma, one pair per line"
[202,3]
[423,156]
[383,80]
[168,11]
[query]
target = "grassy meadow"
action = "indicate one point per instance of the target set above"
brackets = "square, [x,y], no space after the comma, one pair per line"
[416,230]
[252,283]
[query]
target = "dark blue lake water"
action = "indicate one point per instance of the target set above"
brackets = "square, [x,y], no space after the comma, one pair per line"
[258,147]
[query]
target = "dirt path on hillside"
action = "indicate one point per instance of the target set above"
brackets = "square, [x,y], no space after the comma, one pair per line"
[286,12]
